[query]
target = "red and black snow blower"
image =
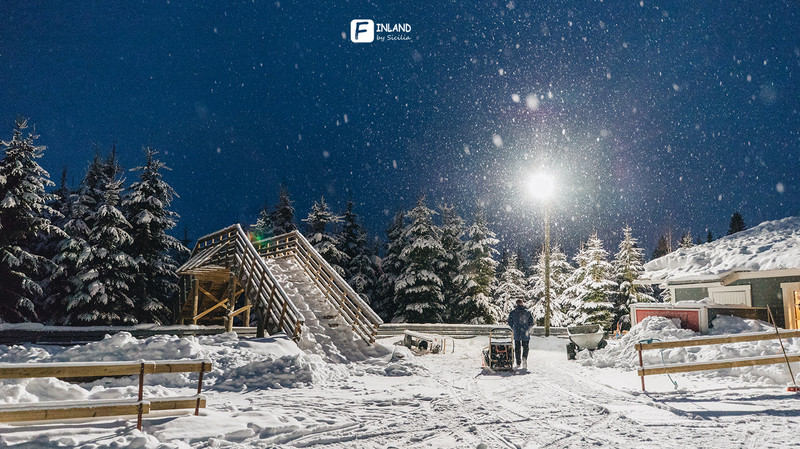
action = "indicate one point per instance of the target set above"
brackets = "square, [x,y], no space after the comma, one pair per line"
[499,355]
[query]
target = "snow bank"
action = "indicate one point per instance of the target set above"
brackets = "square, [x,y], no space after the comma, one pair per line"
[272,362]
[622,353]
[771,245]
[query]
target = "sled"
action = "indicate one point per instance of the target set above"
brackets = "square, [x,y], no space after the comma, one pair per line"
[589,337]
[499,355]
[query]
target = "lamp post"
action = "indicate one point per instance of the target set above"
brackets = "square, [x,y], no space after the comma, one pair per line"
[541,186]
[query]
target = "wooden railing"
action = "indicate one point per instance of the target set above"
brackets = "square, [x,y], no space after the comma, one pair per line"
[339,294]
[702,341]
[237,253]
[49,410]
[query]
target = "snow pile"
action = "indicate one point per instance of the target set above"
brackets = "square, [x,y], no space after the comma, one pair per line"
[272,362]
[623,354]
[771,245]
[283,372]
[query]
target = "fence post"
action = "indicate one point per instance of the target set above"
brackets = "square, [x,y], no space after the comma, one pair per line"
[199,388]
[641,364]
[141,396]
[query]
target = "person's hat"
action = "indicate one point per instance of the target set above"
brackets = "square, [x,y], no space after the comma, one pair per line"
[519,302]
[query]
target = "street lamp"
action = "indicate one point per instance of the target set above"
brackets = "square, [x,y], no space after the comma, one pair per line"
[541,186]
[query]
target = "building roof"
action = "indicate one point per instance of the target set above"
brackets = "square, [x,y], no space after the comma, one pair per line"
[772,245]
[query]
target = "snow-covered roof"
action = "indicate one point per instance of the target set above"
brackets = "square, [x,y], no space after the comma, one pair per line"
[772,245]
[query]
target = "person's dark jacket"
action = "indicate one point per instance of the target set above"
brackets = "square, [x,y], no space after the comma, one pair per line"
[520,320]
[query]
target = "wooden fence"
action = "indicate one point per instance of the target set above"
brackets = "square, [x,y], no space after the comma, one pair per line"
[704,366]
[49,410]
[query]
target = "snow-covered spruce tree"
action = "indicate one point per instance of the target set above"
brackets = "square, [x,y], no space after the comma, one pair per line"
[736,224]
[452,231]
[476,275]
[322,238]
[628,266]
[70,256]
[511,285]
[360,268]
[686,240]
[282,217]
[418,289]
[24,224]
[147,210]
[593,288]
[391,267]
[104,281]
[560,271]
[263,228]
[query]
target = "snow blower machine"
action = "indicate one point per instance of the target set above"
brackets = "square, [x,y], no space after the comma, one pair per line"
[499,355]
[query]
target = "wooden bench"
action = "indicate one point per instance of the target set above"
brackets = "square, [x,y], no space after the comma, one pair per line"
[50,410]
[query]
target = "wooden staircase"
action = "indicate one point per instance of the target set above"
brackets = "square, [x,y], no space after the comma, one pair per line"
[225,278]
[227,275]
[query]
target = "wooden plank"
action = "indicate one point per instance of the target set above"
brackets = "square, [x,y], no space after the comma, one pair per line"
[72,411]
[210,309]
[240,310]
[705,366]
[181,366]
[176,403]
[701,341]
[88,369]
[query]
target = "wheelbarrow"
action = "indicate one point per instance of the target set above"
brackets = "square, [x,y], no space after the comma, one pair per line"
[589,337]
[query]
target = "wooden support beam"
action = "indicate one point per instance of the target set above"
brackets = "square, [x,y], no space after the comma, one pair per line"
[196,298]
[704,366]
[69,411]
[701,341]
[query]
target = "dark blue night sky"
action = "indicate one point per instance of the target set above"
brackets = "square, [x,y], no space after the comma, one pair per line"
[652,113]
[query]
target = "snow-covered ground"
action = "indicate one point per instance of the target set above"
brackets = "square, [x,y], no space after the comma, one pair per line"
[268,393]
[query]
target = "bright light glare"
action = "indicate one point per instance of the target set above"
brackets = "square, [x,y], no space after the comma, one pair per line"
[541,185]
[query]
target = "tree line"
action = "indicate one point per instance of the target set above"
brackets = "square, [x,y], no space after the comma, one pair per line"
[97,254]
[433,267]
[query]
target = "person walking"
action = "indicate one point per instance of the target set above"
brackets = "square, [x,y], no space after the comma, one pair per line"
[520,320]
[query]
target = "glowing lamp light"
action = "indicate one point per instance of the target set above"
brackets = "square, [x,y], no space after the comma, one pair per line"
[541,186]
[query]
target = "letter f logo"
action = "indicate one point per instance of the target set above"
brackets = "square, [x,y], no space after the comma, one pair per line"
[362,31]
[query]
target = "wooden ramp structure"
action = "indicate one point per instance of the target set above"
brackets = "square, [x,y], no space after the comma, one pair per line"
[227,277]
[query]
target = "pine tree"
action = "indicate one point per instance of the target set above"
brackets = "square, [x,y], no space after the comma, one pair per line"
[686,240]
[452,232]
[322,238]
[282,216]
[477,275]
[593,287]
[709,237]
[560,271]
[418,289]
[391,267]
[24,223]
[511,285]
[736,224]
[662,249]
[147,209]
[263,229]
[360,269]
[102,286]
[628,267]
